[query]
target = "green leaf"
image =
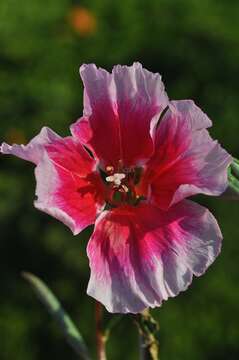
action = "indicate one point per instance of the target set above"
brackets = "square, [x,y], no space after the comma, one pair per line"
[233,178]
[56,310]
[235,168]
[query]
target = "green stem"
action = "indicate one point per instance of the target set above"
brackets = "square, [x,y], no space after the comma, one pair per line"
[148,336]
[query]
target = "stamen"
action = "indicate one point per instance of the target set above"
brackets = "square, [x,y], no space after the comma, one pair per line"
[124,187]
[116,178]
[109,169]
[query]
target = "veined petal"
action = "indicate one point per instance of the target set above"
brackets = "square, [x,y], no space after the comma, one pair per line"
[68,188]
[71,155]
[186,160]
[34,150]
[142,255]
[121,107]
[81,130]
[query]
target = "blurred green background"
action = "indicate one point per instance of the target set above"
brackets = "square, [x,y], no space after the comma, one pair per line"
[195,46]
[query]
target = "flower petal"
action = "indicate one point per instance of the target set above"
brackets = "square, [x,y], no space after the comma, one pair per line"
[141,255]
[121,107]
[35,149]
[68,188]
[186,161]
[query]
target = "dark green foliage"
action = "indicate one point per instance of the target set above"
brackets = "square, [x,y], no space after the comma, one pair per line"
[195,46]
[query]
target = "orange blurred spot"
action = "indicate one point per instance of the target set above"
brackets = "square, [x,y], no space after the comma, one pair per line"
[15,136]
[82,20]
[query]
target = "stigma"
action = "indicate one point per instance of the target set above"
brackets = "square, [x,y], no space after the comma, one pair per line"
[116,178]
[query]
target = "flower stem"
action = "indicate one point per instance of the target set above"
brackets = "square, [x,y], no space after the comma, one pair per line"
[148,336]
[100,336]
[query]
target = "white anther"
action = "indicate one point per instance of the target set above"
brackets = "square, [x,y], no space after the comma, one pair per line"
[116,178]
[124,187]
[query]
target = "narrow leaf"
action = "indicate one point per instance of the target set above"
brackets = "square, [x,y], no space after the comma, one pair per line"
[56,310]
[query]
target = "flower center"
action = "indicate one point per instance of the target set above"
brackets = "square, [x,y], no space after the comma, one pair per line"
[122,185]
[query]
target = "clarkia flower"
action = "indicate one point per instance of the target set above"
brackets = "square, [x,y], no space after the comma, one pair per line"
[128,167]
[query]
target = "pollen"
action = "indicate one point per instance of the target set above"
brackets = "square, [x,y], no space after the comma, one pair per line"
[116,178]
[109,169]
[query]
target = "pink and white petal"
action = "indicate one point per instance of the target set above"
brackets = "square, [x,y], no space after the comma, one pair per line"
[140,256]
[121,107]
[143,87]
[81,130]
[197,118]
[68,187]
[34,150]
[47,182]
[186,160]
[71,155]
[73,199]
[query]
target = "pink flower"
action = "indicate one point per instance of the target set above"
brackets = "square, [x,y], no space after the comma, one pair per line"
[130,163]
